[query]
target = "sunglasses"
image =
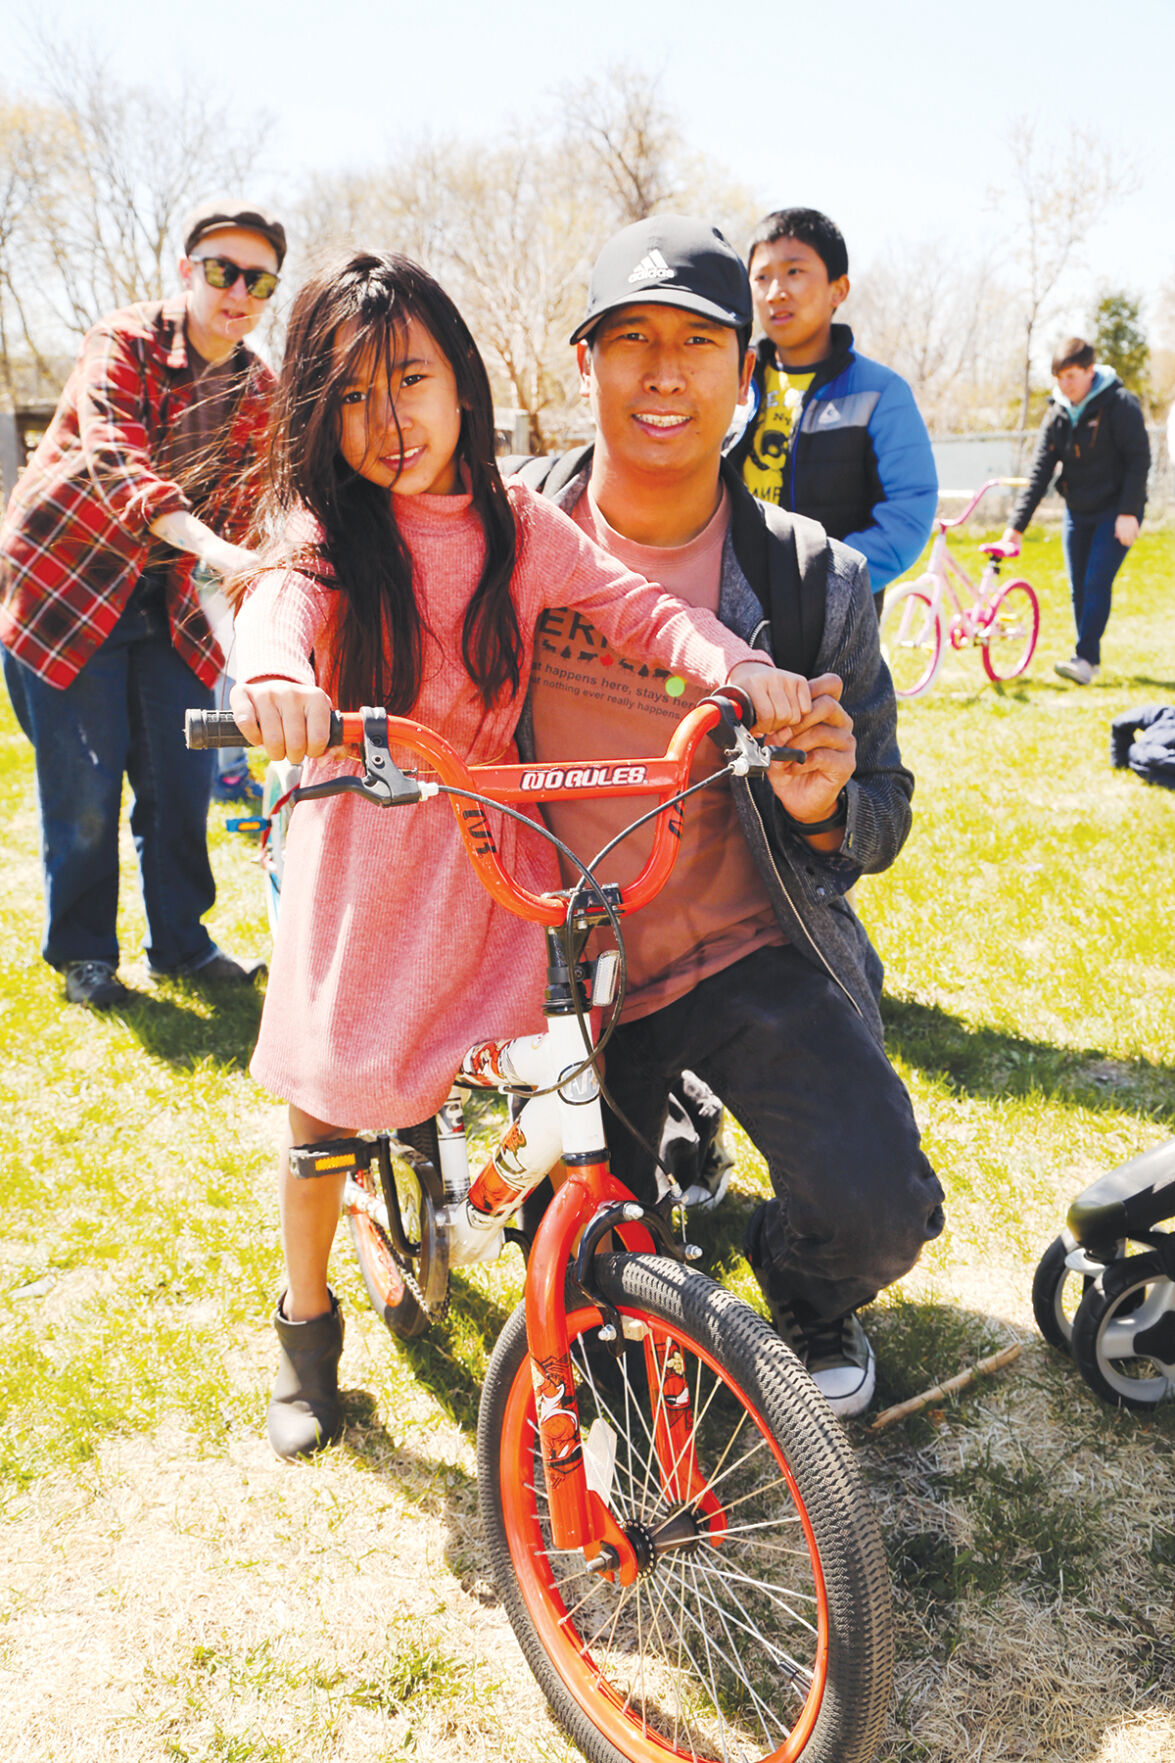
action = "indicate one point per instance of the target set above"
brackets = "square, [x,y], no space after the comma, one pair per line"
[222,272]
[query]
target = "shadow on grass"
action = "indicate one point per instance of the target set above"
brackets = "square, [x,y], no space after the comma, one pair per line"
[171,1026]
[438,1358]
[1143,679]
[987,1061]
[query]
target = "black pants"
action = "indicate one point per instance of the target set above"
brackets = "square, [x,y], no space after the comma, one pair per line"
[791,1058]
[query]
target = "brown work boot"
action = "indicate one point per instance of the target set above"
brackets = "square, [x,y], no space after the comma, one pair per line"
[304,1412]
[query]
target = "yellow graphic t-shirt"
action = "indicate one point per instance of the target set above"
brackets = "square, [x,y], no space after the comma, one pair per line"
[766,463]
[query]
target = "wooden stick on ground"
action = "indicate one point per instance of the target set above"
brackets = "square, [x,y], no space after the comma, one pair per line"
[984,1369]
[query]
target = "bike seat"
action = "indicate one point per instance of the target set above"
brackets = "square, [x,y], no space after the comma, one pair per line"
[998,550]
[1135,1196]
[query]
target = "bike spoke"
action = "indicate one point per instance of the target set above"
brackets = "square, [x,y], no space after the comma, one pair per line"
[797,1672]
[761,1585]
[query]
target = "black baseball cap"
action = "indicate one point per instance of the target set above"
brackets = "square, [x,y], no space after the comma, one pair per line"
[670,260]
[225,211]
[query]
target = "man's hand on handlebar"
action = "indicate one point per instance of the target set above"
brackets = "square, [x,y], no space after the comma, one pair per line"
[780,700]
[810,791]
[290,720]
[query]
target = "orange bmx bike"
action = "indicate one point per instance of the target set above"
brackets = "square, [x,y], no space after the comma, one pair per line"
[678,1531]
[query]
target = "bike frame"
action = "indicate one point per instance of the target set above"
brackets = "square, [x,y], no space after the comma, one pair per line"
[945,571]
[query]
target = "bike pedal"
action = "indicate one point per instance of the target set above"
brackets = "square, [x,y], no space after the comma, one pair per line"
[244,823]
[331,1157]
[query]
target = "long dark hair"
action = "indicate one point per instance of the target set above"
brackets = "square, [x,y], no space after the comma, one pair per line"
[379,640]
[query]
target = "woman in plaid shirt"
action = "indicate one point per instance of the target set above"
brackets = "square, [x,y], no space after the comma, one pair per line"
[148,468]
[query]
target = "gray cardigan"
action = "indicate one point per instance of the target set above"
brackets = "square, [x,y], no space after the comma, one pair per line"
[807,887]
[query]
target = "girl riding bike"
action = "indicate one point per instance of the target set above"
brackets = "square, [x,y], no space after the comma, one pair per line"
[408,576]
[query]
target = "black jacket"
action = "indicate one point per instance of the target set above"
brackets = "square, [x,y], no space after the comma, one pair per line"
[1104,458]
[787,586]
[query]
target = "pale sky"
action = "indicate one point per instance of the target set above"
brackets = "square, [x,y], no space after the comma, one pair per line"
[891,118]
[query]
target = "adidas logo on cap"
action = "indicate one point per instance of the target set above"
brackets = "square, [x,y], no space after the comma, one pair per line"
[651,268]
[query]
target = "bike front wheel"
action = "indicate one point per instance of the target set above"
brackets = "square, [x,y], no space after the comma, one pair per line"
[912,638]
[1008,640]
[765,1635]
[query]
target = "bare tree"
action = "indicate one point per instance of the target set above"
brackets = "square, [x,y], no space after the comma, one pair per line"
[944,324]
[630,148]
[1058,194]
[27,134]
[518,253]
[622,128]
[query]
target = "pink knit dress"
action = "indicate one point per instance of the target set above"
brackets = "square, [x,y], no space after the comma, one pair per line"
[390,959]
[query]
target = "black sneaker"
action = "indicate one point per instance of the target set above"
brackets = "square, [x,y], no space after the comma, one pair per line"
[94,983]
[837,1355]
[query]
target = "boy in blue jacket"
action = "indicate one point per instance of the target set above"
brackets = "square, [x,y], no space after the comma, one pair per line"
[830,433]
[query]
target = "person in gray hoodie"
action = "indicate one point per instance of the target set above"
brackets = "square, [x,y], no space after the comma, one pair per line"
[1095,432]
[752,970]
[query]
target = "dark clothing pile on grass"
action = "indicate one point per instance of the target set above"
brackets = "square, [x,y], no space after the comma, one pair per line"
[1144,740]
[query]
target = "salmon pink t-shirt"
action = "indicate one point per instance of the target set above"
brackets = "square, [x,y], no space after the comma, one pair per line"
[590,701]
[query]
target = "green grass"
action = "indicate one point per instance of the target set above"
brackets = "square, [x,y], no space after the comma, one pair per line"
[344,1610]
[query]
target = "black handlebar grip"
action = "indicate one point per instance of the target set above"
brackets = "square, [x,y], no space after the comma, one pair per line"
[744,709]
[216,728]
[212,728]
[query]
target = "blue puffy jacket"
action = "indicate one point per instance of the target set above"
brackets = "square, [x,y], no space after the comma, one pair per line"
[861,462]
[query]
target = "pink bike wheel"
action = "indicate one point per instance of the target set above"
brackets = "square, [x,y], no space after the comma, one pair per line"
[1008,640]
[911,640]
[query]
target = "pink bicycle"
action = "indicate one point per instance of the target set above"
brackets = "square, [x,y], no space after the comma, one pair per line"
[1002,620]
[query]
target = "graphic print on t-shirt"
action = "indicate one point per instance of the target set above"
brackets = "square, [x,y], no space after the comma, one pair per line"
[765,466]
[590,703]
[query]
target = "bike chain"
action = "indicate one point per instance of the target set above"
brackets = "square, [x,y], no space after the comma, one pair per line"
[438,1312]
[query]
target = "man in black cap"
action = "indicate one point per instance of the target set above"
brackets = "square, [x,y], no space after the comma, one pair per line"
[752,969]
[149,468]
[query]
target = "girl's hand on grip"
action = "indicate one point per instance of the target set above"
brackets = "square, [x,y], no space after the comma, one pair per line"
[780,700]
[291,721]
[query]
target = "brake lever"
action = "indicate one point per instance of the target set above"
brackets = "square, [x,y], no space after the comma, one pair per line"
[750,758]
[382,782]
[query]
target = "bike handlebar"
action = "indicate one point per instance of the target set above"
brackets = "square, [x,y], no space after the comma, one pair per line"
[384,784]
[995,483]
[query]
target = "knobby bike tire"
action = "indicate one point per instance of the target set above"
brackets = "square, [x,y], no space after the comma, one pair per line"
[773,1641]
[912,638]
[1008,641]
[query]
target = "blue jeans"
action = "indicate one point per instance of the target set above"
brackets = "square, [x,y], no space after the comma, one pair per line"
[789,1055]
[1093,557]
[124,713]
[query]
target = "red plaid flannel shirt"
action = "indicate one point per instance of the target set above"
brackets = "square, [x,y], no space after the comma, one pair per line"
[75,538]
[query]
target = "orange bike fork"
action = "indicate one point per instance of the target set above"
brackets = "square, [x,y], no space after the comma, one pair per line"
[579,1517]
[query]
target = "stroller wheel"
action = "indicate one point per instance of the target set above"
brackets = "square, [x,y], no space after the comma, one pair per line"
[1124,1334]
[1057,1291]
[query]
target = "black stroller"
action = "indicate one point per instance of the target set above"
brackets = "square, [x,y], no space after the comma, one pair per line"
[1097,1297]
